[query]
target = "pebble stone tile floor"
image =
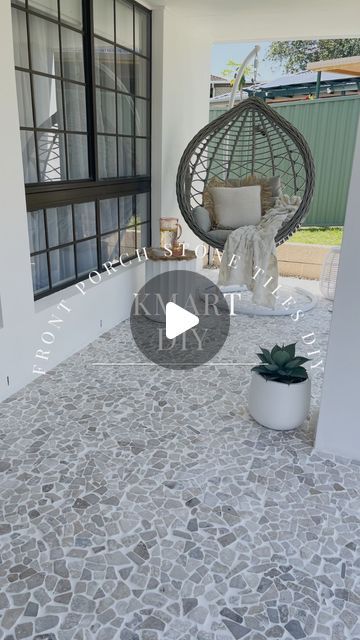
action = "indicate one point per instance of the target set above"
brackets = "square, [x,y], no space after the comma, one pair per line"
[139,503]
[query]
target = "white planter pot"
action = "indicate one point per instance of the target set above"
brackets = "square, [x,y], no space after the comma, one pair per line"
[277,405]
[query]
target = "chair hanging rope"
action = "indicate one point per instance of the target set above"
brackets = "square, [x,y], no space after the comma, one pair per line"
[251,139]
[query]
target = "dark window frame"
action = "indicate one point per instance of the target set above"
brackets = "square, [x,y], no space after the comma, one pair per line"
[44,195]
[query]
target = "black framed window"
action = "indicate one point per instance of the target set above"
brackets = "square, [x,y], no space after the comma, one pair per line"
[84,97]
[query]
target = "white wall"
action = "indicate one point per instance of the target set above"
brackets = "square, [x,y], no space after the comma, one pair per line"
[181,66]
[339,419]
[23,320]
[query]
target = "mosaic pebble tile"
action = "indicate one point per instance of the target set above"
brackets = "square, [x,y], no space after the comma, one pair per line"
[139,503]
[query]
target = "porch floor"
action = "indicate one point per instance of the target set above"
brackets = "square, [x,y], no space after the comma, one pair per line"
[143,503]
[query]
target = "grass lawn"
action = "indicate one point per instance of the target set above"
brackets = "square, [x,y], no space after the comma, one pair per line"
[318,235]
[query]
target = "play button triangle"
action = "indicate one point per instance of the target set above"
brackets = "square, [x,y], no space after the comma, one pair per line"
[178,320]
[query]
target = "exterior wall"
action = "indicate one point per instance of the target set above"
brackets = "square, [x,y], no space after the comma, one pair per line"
[329,127]
[24,321]
[338,426]
[175,120]
[219,89]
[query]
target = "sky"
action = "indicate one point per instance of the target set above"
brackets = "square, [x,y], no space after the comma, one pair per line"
[222,53]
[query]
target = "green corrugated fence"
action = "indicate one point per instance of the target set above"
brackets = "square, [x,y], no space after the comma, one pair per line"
[329,125]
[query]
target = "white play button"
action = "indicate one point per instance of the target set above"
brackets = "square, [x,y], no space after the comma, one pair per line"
[178,320]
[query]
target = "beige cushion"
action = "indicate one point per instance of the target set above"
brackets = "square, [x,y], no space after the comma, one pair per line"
[275,184]
[236,207]
[208,201]
[270,188]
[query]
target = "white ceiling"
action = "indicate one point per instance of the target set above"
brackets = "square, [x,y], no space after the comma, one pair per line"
[202,8]
[234,20]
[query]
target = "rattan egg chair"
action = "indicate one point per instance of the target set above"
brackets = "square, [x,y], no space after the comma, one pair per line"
[249,139]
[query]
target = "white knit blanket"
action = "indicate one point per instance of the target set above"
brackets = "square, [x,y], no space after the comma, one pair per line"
[255,253]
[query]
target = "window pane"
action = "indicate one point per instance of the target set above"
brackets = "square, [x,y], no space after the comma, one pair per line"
[48,103]
[72,55]
[75,107]
[105,111]
[142,157]
[125,107]
[126,211]
[23,90]
[104,18]
[128,241]
[77,154]
[124,24]
[109,215]
[142,77]
[110,247]
[142,207]
[52,159]
[71,12]
[124,71]
[29,156]
[86,256]
[126,156]
[104,64]
[20,38]
[142,117]
[59,225]
[62,265]
[142,28]
[107,156]
[85,224]
[142,236]
[39,272]
[36,228]
[44,45]
[48,7]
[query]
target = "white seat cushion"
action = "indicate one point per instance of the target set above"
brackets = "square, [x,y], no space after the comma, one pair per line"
[237,207]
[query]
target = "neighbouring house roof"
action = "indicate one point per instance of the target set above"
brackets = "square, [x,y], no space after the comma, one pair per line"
[219,79]
[350,65]
[303,78]
[293,84]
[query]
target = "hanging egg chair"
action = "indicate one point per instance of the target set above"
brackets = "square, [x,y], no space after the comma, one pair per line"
[251,141]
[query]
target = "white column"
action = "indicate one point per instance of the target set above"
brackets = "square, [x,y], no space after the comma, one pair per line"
[181,72]
[338,428]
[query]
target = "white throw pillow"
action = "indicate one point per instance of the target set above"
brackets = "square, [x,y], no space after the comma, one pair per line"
[237,206]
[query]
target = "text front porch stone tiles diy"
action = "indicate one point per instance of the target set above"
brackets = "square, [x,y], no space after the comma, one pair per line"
[139,503]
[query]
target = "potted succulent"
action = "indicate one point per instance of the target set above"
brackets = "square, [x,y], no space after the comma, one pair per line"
[280,389]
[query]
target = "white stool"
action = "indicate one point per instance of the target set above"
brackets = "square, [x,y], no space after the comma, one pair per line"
[329,273]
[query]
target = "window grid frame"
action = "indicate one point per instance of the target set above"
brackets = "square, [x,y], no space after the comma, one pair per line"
[132,94]
[51,194]
[138,225]
[89,35]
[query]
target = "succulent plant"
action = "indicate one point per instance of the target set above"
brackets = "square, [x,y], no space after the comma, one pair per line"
[281,365]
